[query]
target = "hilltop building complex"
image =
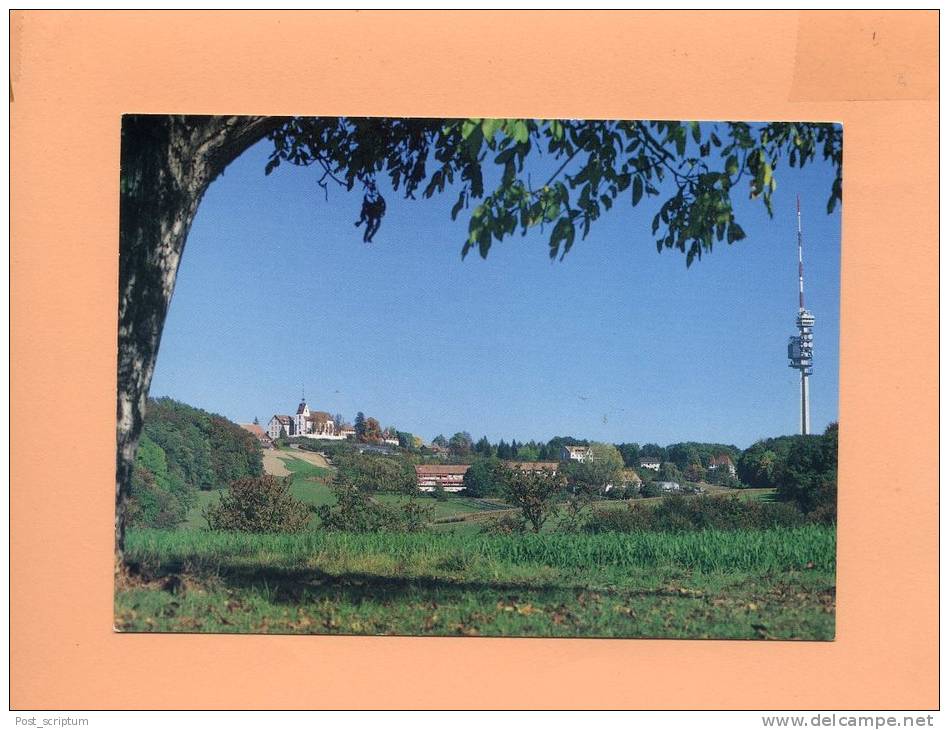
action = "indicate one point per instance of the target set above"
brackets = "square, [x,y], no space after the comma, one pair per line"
[310,424]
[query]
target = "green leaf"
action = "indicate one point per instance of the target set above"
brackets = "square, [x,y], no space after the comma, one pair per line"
[696,132]
[505,156]
[731,165]
[521,132]
[563,231]
[475,138]
[467,127]
[637,189]
[456,208]
[489,127]
[484,243]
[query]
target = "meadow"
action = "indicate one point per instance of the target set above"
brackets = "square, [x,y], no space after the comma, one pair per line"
[762,584]
[453,579]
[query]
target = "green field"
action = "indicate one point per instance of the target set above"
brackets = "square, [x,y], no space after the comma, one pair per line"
[775,584]
[455,580]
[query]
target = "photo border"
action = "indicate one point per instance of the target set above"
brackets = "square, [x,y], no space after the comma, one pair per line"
[73,74]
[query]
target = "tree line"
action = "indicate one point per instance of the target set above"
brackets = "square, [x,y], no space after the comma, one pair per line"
[185,449]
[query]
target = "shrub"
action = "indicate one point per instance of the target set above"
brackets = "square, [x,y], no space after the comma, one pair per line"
[504,525]
[374,472]
[413,517]
[258,504]
[650,489]
[679,514]
[356,511]
[151,506]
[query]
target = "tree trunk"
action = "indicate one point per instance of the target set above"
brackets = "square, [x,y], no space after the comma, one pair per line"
[167,163]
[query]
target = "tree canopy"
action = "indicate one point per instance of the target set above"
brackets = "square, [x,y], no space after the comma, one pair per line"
[696,167]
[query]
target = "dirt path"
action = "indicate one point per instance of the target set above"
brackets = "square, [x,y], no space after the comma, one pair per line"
[275,461]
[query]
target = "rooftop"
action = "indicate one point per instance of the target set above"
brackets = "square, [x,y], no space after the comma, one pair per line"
[532,465]
[441,469]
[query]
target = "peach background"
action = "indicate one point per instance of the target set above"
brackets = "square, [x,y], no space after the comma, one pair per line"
[74,74]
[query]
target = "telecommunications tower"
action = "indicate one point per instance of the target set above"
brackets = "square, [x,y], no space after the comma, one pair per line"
[801,347]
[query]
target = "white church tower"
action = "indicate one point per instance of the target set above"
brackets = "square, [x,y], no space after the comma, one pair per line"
[300,420]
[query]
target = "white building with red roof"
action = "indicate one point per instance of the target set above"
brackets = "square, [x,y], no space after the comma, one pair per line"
[450,477]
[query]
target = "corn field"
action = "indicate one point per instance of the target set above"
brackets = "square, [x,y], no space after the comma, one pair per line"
[779,549]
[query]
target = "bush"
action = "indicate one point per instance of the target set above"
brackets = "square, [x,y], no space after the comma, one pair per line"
[356,511]
[650,489]
[258,504]
[374,472]
[679,514]
[504,525]
[151,506]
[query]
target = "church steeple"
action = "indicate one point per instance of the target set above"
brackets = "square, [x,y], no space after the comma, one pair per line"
[303,409]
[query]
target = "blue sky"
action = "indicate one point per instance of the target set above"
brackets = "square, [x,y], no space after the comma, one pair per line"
[615,343]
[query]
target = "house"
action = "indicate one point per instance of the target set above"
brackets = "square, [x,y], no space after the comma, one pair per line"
[533,467]
[449,477]
[278,424]
[575,453]
[347,431]
[391,440]
[259,434]
[650,462]
[722,460]
[669,487]
[320,424]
